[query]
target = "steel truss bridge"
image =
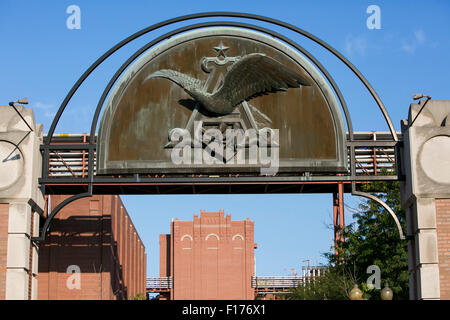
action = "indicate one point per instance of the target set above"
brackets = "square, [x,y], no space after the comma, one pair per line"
[260,284]
[263,285]
[67,167]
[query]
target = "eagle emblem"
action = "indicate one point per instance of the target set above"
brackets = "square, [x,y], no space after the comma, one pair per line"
[252,75]
[224,104]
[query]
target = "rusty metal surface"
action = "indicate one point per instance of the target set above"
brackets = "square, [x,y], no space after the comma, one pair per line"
[376,156]
[370,160]
[139,115]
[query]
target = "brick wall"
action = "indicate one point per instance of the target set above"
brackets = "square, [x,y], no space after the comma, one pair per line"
[443,234]
[97,235]
[211,257]
[4,216]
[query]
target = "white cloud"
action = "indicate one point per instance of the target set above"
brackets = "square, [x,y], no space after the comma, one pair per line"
[420,36]
[46,109]
[410,45]
[355,45]
[362,45]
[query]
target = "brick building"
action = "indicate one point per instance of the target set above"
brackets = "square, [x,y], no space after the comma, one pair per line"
[97,235]
[4,215]
[211,257]
[443,244]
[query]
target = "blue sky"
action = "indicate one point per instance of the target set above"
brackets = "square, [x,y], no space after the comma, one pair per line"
[41,59]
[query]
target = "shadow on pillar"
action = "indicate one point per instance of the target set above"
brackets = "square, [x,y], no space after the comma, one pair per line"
[85,242]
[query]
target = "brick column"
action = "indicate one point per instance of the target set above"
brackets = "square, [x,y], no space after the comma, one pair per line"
[20,169]
[425,198]
[443,239]
[4,216]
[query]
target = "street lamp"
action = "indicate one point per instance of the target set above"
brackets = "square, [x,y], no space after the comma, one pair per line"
[419,96]
[387,293]
[355,293]
[20,101]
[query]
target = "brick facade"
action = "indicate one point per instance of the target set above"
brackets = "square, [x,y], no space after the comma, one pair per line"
[210,257]
[443,236]
[4,216]
[97,235]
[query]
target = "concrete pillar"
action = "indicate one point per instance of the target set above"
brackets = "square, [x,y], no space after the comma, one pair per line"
[426,165]
[20,169]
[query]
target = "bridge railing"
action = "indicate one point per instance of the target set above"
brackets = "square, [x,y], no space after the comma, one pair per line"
[313,272]
[70,153]
[279,282]
[161,283]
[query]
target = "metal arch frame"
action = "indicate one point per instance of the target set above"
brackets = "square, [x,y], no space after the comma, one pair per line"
[381,202]
[122,43]
[225,24]
[44,230]
[220,14]
[222,24]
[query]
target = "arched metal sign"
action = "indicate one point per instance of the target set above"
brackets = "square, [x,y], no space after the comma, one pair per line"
[204,80]
[150,112]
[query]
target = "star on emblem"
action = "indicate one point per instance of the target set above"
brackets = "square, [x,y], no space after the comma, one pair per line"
[220,49]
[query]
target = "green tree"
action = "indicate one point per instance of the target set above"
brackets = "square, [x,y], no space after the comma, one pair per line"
[333,285]
[138,296]
[372,239]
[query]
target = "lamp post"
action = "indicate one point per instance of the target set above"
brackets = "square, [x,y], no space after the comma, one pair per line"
[20,101]
[355,293]
[387,293]
[419,96]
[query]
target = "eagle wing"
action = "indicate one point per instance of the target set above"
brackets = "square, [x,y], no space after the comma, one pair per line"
[256,74]
[181,79]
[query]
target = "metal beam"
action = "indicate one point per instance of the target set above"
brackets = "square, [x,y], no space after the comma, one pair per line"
[383,204]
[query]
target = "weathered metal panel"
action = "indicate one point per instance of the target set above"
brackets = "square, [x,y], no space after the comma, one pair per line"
[139,115]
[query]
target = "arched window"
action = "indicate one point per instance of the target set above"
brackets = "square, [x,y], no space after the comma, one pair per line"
[186,242]
[212,235]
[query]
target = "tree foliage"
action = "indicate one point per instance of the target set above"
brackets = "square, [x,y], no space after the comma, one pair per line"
[138,296]
[372,239]
[333,285]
